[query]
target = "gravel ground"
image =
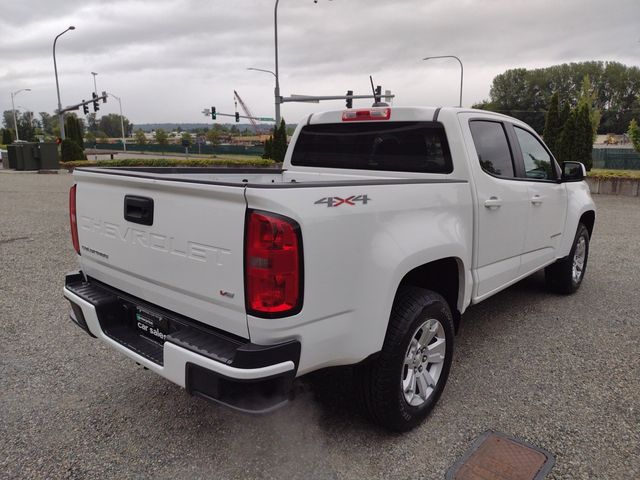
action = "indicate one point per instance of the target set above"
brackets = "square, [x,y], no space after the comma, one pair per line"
[560,372]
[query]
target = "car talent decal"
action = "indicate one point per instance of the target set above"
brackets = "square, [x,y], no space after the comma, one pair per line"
[337,201]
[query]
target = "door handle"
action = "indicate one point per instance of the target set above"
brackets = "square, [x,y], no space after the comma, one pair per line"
[536,200]
[493,202]
[138,209]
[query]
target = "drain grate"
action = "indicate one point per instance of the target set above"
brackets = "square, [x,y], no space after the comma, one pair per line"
[496,456]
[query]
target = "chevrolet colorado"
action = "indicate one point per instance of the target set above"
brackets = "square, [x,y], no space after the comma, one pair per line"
[382,227]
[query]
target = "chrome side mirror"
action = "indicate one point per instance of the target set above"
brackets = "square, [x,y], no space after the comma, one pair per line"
[573,172]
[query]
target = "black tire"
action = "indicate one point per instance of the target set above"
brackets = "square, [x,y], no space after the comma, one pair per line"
[559,275]
[381,386]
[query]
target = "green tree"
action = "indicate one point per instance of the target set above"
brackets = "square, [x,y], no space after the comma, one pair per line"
[102,137]
[552,126]
[140,138]
[73,129]
[7,119]
[612,87]
[7,136]
[47,121]
[588,98]
[584,136]
[565,111]
[634,134]
[186,138]
[110,124]
[70,150]
[26,127]
[92,124]
[161,137]
[90,138]
[213,136]
[268,148]
[279,142]
[567,141]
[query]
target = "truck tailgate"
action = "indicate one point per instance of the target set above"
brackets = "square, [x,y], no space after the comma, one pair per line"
[189,259]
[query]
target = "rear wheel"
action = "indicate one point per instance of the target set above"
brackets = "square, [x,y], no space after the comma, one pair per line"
[566,275]
[402,385]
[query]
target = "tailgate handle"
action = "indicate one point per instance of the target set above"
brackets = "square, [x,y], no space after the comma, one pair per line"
[138,209]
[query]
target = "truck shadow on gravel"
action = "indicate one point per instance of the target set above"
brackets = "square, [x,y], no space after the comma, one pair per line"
[335,391]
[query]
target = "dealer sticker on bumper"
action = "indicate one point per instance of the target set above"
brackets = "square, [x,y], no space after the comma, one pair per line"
[151,324]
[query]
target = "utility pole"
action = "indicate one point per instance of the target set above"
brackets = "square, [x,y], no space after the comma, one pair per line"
[55,68]
[276,93]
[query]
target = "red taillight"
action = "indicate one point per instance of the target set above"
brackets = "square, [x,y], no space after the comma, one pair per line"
[273,265]
[366,114]
[73,219]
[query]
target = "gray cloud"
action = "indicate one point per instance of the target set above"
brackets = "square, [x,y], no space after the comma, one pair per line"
[170,58]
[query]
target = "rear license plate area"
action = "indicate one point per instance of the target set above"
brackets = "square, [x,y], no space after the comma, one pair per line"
[152,325]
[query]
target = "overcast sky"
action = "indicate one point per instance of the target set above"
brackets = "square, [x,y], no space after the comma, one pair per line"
[170,59]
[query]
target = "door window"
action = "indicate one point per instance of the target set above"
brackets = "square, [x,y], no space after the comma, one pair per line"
[493,149]
[538,163]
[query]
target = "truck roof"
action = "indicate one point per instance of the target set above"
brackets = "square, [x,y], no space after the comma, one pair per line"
[402,114]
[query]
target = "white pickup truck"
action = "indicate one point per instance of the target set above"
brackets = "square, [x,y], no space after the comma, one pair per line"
[382,227]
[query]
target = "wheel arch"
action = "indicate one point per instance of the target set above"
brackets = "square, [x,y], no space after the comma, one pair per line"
[445,276]
[588,219]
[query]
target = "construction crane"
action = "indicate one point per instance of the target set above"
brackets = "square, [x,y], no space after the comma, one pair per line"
[247,112]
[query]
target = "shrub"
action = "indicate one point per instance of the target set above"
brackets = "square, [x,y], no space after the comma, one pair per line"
[70,150]
[634,134]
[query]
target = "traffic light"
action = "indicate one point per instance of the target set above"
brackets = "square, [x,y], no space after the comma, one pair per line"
[349,100]
[237,117]
[94,95]
[85,107]
[378,94]
[213,113]
[104,97]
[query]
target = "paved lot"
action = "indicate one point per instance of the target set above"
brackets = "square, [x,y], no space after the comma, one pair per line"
[560,372]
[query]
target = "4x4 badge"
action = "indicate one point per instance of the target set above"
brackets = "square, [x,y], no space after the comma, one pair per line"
[337,201]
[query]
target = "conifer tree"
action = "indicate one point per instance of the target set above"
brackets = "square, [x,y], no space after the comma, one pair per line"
[267,148]
[552,126]
[567,141]
[584,136]
[279,143]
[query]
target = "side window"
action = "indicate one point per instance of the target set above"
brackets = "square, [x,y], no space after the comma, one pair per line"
[538,164]
[491,143]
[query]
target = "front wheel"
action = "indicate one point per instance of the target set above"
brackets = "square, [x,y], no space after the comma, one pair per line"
[402,385]
[566,275]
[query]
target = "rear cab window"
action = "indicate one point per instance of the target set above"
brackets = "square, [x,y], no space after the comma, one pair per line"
[419,147]
[492,147]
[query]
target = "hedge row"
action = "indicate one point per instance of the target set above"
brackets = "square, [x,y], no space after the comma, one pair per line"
[606,173]
[167,162]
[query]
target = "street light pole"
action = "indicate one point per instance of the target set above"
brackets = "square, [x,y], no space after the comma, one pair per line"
[276,92]
[124,144]
[55,68]
[13,107]
[461,70]
[95,88]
